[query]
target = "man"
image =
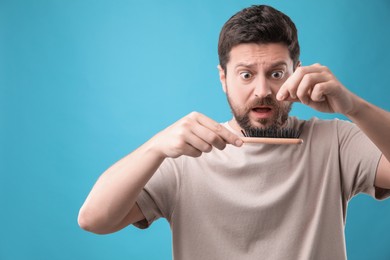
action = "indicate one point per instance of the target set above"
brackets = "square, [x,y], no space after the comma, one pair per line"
[229,200]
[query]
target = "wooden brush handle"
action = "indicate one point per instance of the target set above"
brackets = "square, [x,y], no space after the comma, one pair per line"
[264,140]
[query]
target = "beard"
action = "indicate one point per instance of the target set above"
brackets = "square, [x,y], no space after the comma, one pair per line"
[279,116]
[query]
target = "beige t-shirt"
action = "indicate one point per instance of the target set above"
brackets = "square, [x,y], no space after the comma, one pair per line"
[263,201]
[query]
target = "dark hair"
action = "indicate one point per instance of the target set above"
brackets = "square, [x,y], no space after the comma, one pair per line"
[258,24]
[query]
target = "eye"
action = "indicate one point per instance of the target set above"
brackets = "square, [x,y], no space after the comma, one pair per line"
[246,75]
[277,74]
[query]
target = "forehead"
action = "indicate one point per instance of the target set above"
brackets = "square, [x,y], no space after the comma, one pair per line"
[260,54]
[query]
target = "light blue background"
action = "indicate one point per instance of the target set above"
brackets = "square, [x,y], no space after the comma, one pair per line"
[83,83]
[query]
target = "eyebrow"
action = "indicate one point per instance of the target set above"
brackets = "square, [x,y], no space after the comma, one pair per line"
[250,65]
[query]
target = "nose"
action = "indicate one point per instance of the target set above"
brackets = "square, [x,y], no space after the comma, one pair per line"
[262,88]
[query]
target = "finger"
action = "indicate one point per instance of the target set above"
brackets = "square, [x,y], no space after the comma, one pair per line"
[289,89]
[218,129]
[195,143]
[209,136]
[180,144]
[308,84]
[320,91]
[192,151]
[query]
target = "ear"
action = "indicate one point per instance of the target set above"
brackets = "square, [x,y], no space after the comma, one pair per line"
[297,65]
[222,77]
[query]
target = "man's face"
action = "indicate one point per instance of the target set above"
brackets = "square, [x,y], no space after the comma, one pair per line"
[254,74]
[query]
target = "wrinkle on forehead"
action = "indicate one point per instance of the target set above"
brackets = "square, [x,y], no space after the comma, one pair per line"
[252,54]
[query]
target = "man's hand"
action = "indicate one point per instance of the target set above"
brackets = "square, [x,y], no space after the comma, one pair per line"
[111,204]
[193,135]
[317,87]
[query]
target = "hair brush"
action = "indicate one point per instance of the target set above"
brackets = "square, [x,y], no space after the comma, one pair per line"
[272,136]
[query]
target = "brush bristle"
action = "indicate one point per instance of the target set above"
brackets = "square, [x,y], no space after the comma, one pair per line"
[272,132]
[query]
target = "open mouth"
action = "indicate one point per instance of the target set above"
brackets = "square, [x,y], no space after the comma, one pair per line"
[262,109]
[262,112]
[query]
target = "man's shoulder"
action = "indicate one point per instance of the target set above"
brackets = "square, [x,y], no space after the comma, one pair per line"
[325,128]
[318,121]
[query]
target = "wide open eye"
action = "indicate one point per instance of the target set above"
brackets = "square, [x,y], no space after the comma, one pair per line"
[245,75]
[277,74]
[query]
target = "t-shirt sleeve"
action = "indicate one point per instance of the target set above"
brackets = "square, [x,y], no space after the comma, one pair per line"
[158,198]
[359,159]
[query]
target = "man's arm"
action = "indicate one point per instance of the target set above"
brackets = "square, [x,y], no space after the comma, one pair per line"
[318,88]
[111,204]
[375,123]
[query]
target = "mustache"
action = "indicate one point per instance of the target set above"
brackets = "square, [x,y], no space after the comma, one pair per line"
[266,101]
